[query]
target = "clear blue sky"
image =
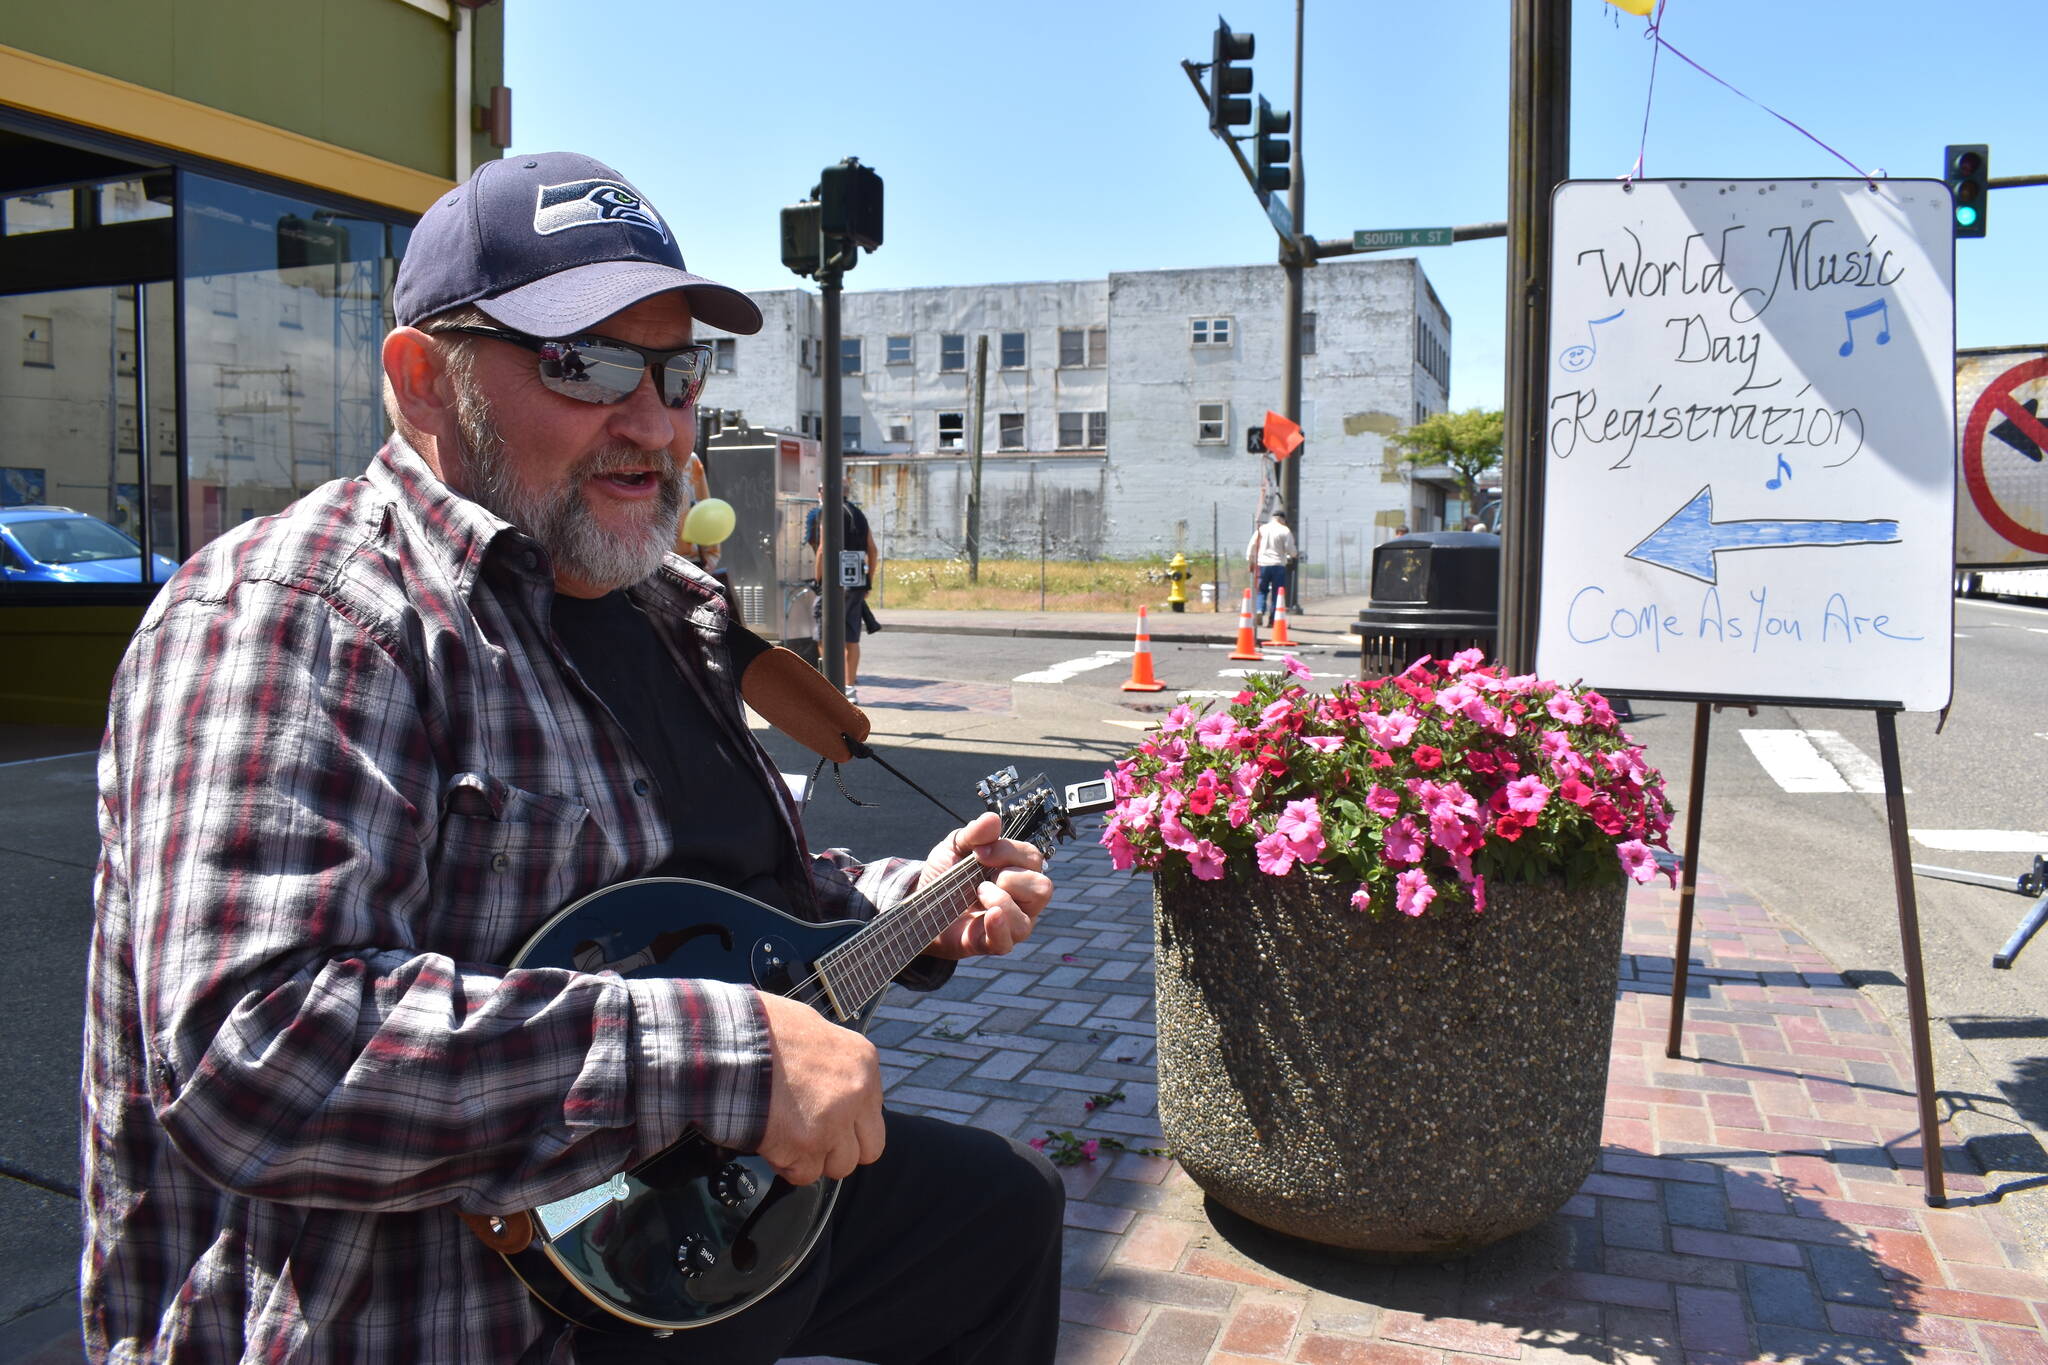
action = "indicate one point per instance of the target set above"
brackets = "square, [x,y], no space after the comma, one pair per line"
[1060,140]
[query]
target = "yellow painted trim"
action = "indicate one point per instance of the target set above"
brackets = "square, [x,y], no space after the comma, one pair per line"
[60,90]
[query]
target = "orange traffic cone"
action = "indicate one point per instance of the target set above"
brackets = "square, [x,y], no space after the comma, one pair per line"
[1141,662]
[1280,619]
[1247,636]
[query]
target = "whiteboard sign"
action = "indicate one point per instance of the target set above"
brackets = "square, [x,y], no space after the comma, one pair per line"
[1749,440]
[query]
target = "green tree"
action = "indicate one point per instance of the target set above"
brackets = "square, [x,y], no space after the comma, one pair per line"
[1469,442]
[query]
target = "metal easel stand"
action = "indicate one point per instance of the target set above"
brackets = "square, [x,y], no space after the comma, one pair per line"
[1909,926]
[2033,883]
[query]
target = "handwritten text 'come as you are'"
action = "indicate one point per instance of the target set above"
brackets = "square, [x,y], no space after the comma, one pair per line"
[1719,325]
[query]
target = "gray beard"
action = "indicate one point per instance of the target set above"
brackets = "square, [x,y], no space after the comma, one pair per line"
[560,518]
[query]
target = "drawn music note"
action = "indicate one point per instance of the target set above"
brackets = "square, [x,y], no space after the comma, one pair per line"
[1778,480]
[1884,326]
[1576,358]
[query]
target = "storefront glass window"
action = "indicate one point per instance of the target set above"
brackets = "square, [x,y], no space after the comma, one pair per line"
[286,307]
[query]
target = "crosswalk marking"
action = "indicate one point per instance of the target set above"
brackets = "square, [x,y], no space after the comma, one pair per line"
[1814,761]
[1060,672]
[1983,840]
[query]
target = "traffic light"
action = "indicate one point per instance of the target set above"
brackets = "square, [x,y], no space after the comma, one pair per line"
[1272,159]
[850,203]
[800,240]
[1229,83]
[1967,168]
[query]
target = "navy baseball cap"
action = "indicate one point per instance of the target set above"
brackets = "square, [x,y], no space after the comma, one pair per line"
[552,244]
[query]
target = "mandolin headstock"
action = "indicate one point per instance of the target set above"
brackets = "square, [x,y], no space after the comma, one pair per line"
[1033,812]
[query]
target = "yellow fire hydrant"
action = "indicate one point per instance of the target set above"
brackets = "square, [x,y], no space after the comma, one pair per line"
[1177,574]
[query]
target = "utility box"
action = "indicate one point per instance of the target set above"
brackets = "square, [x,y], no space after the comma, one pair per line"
[1434,593]
[771,479]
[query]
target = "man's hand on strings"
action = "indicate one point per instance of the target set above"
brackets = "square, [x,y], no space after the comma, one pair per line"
[1012,890]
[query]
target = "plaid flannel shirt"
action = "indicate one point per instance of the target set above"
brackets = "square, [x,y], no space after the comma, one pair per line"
[347,770]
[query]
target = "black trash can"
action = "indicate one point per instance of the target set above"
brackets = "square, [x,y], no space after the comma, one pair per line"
[1434,593]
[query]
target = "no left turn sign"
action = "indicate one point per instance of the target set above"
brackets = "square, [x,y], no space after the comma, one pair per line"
[2003,450]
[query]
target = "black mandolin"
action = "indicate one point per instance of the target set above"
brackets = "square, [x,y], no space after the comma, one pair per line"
[698,1232]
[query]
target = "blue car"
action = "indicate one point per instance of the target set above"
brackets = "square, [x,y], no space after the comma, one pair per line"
[57,545]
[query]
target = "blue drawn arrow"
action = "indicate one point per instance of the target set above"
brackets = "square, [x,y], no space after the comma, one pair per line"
[1688,542]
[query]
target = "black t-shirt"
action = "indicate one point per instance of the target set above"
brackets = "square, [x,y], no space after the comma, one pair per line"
[727,829]
[853,537]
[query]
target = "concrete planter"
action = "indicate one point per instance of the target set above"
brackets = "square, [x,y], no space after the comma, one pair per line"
[1410,1087]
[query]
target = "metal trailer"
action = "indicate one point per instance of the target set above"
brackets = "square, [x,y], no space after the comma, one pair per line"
[771,478]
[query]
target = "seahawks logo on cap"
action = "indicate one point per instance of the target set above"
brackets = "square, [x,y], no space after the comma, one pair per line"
[581,203]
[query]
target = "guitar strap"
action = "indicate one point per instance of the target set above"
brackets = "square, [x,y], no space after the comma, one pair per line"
[802,703]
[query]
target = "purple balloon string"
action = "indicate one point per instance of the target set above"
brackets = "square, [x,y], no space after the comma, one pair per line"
[1653,33]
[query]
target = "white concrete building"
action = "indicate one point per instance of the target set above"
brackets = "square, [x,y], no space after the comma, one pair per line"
[1116,411]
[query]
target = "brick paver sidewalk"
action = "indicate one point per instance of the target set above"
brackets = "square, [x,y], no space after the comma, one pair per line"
[1758,1199]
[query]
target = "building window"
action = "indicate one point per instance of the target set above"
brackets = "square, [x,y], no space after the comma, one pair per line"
[223,295]
[1209,331]
[952,430]
[899,431]
[722,355]
[1013,350]
[290,313]
[849,433]
[899,350]
[36,346]
[952,353]
[1010,431]
[1211,421]
[124,351]
[1083,347]
[1083,430]
[806,353]
[849,355]
[1308,333]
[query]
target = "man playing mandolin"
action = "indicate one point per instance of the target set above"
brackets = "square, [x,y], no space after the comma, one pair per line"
[360,751]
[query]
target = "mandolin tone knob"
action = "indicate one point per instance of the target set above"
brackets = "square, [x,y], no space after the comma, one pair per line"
[695,1254]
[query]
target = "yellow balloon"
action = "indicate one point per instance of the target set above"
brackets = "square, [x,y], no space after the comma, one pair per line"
[709,522]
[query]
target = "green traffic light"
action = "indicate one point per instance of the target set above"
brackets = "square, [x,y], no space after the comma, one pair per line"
[1966,216]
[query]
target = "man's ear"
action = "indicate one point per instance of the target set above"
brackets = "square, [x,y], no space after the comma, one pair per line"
[419,385]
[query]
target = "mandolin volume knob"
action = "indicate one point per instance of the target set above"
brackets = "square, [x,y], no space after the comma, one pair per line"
[734,1185]
[695,1254]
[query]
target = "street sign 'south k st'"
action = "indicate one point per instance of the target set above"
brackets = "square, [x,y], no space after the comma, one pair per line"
[1393,239]
[1283,221]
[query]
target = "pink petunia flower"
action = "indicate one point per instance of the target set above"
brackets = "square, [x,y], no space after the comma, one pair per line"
[1275,854]
[1636,860]
[1390,731]
[1297,668]
[1464,659]
[1478,895]
[1566,708]
[1404,841]
[1202,796]
[1216,731]
[1527,794]
[1239,812]
[1324,744]
[1383,801]
[1301,824]
[1427,757]
[1361,899]
[1206,861]
[1413,893]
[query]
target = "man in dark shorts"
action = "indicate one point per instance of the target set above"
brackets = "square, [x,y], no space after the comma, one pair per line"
[861,552]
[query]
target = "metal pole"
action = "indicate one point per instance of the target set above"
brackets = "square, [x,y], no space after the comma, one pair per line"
[1292,257]
[1041,543]
[1539,147]
[1216,553]
[1909,946]
[831,512]
[1689,875]
[974,489]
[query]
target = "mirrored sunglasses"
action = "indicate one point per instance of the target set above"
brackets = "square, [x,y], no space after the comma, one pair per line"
[602,370]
